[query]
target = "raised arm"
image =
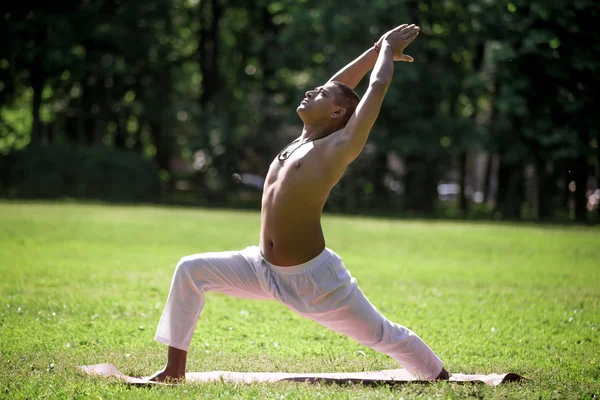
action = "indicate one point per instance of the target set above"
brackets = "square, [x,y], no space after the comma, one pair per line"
[352,74]
[353,137]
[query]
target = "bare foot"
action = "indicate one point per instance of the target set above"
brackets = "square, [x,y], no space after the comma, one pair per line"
[443,376]
[168,376]
[174,371]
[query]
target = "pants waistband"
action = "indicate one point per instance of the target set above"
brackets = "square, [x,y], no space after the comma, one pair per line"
[300,268]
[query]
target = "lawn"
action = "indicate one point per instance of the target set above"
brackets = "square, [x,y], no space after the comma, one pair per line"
[85,284]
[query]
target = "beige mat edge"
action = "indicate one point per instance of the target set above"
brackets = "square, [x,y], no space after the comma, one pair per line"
[395,376]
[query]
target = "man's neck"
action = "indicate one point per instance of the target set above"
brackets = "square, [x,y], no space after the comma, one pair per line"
[314,132]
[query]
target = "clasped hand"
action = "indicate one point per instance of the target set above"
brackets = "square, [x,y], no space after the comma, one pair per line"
[399,38]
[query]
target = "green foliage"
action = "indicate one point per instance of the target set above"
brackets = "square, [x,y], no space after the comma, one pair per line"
[173,79]
[85,284]
[543,77]
[66,170]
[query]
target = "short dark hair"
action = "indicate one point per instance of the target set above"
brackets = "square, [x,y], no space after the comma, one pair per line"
[347,99]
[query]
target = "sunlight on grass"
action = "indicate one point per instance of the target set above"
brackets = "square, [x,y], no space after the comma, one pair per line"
[84,284]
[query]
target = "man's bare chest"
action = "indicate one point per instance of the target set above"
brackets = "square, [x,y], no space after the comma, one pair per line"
[301,168]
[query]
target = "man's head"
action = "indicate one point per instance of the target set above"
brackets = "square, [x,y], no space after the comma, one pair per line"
[333,103]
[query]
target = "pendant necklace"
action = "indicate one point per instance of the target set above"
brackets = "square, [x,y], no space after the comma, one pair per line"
[287,152]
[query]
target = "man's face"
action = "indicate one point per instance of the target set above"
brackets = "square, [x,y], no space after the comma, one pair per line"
[318,104]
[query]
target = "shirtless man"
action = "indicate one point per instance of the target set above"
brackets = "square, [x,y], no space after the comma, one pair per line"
[292,264]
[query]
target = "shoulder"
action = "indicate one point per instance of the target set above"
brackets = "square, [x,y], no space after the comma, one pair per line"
[334,156]
[339,148]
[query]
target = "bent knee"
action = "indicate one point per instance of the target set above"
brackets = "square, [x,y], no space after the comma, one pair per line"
[189,265]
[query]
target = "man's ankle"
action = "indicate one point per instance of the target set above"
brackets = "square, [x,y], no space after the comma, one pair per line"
[175,370]
[176,361]
[443,376]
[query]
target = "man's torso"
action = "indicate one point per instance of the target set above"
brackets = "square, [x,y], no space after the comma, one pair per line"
[294,195]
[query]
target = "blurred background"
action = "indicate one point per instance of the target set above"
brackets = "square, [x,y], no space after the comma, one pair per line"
[188,101]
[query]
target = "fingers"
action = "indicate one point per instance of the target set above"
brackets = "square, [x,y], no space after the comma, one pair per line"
[399,28]
[412,36]
[400,37]
[404,30]
[408,34]
[409,28]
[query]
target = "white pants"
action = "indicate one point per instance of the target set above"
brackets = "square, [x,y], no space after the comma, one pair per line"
[320,289]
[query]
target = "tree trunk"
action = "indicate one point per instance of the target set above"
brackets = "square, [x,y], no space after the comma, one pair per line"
[120,134]
[462,171]
[488,177]
[162,147]
[566,193]
[88,122]
[37,85]
[210,15]
[101,118]
[581,172]
[265,137]
[421,183]
[89,127]
[72,129]
[381,196]
[542,196]
[137,146]
[51,132]
[157,117]
[510,184]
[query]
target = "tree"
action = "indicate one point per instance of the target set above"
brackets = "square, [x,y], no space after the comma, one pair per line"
[214,83]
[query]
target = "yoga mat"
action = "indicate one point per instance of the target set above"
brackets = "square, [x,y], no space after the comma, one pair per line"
[391,376]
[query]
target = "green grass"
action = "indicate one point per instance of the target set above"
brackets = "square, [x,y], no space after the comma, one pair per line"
[85,284]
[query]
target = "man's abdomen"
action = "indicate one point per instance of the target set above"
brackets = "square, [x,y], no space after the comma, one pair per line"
[290,239]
